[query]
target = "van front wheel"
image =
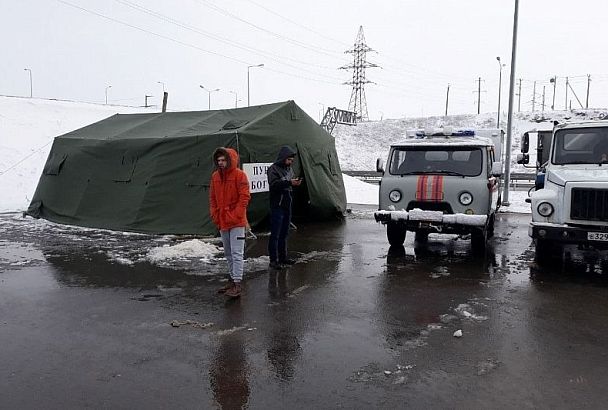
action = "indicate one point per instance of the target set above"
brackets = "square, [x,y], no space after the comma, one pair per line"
[479,240]
[395,234]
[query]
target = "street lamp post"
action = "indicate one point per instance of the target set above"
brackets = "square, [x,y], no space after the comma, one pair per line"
[30,72]
[236,98]
[163,84]
[209,95]
[500,66]
[554,81]
[107,93]
[505,196]
[248,67]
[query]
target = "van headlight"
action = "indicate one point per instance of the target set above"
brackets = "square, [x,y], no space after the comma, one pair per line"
[545,209]
[394,196]
[465,198]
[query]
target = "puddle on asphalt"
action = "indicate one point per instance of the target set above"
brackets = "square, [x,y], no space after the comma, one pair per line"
[15,254]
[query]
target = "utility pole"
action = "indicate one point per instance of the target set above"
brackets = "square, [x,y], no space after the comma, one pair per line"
[236,98]
[543,98]
[248,67]
[31,84]
[588,83]
[575,96]
[107,88]
[505,196]
[554,81]
[358,103]
[567,84]
[500,66]
[447,99]
[165,99]
[534,97]
[519,97]
[478,95]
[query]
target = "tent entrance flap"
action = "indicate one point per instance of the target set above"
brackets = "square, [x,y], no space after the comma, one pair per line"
[323,179]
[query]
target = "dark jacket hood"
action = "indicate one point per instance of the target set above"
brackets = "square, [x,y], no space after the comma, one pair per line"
[285,152]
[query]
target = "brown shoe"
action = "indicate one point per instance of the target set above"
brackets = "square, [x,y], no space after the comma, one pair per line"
[235,291]
[226,287]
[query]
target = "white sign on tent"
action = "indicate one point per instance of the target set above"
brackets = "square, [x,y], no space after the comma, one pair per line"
[256,173]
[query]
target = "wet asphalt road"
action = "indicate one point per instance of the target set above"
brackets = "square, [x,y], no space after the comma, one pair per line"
[351,325]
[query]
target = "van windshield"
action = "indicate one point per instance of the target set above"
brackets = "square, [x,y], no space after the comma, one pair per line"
[464,161]
[581,146]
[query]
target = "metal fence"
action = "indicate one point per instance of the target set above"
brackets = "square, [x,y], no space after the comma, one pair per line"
[518,179]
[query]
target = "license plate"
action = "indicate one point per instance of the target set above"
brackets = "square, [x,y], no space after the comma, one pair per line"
[597,236]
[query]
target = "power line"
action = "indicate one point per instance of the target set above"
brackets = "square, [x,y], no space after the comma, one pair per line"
[152,33]
[24,158]
[207,34]
[191,45]
[313,48]
[298,24]
[316,48]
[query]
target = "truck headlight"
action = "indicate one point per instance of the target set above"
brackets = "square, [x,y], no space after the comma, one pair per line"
[394,196]
[545,209]
[465,198]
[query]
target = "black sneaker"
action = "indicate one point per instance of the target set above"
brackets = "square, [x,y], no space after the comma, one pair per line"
[275,265]
[288,262]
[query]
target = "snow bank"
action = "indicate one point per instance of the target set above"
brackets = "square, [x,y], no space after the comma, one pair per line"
[359,192]
[359,146]
[27,129]
[194,248]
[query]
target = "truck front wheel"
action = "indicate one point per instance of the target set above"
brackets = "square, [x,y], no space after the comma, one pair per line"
[545,250]
[395,234]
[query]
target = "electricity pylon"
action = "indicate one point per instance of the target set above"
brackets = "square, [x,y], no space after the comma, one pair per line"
[358,103]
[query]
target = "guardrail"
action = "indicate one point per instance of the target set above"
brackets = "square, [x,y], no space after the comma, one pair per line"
[518,179]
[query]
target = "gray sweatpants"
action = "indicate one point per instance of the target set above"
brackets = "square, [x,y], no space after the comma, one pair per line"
[234,247]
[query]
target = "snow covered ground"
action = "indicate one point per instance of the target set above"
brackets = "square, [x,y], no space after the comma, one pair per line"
[27,129]
[28,126]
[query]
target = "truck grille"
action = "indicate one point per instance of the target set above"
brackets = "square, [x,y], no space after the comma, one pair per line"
[589,204]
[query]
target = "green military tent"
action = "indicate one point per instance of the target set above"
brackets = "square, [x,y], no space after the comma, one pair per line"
[150,172]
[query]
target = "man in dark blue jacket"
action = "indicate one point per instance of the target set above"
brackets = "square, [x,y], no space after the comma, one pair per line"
[280,181]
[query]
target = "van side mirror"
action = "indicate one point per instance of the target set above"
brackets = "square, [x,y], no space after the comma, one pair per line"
[497,169]
[523,159]
[380,165]
[525,143]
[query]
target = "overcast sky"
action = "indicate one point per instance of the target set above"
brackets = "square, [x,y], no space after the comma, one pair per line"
[77,48]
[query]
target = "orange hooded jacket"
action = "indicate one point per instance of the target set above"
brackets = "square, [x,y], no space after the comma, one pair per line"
[229,192]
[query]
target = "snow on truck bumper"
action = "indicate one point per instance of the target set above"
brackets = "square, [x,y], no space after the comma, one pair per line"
[592,235]
[433,220]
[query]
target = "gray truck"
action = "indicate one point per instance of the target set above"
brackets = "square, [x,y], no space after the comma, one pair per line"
[441,181]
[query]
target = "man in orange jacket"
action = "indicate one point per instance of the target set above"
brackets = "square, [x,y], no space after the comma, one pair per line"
[228,199]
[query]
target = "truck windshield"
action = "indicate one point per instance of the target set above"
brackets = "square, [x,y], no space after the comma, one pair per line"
[463,161]
[580,146]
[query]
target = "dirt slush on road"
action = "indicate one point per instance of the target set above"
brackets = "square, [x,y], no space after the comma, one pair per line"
[87,322]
